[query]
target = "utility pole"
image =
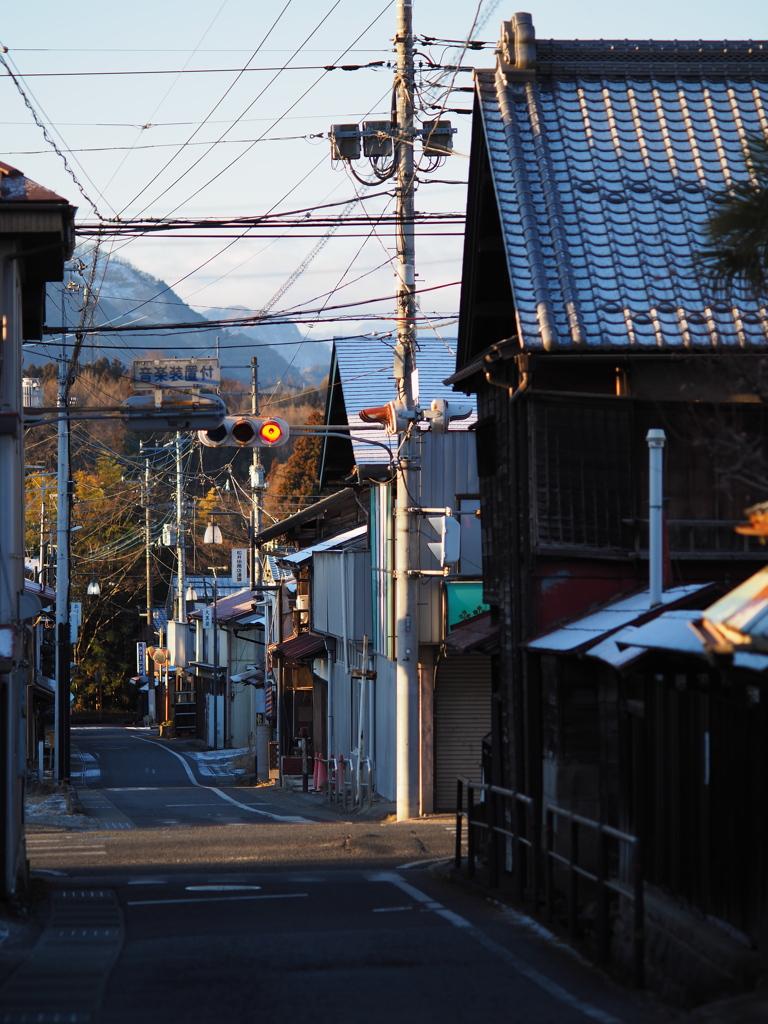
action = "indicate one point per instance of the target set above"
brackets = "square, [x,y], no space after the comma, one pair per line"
[63,640]
[147,545]
[406,523]
[180,552]
[257,484]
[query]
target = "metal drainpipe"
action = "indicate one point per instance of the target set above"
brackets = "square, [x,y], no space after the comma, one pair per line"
[656,440]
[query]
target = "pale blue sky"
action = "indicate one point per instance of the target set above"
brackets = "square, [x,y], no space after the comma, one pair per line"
[100,113]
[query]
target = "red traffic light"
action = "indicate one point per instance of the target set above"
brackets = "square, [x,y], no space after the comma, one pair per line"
[271,431]
[247,432]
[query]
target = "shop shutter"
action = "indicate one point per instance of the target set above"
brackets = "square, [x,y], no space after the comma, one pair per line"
[462,718]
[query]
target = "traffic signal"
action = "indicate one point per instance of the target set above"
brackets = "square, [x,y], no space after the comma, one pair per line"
[442,412]
[246,432]
[394,416]
[448,548]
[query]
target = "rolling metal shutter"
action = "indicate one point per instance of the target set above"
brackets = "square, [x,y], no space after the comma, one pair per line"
[462,719]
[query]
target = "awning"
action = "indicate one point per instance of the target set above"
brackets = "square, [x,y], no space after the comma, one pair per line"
[582,634]
[339,541]
[472,634]
[314,511]
[302,646]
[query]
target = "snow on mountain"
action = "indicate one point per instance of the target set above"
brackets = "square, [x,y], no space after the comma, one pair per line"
[129,296]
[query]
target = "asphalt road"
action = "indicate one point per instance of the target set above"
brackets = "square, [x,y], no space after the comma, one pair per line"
[197,900]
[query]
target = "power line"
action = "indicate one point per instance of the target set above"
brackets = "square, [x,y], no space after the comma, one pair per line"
[376,64]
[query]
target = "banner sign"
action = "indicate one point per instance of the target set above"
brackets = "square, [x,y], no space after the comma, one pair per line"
[168,373]
[240,573]
[141,659]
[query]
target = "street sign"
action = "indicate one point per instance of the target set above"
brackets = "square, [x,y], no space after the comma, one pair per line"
[171,373]
[141,659]
[208,617]
[240,573]
[76,613]
[189,412]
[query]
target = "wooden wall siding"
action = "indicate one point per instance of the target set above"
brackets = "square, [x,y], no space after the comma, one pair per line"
[583,474]
[695,789]
[589,482]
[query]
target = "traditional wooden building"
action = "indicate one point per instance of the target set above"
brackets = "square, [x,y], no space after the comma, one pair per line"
[585,323]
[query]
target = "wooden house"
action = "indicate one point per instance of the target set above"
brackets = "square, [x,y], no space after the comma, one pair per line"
[585,323]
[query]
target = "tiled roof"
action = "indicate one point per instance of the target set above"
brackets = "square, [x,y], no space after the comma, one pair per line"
[302,646]
[15,187]
[604,156]
[365,370]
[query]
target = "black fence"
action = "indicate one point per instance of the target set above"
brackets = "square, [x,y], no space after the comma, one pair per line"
[565,850]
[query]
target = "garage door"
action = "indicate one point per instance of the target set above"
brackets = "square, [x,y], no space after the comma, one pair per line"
[462,719]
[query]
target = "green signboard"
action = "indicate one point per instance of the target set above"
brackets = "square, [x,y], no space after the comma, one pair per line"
[464,600]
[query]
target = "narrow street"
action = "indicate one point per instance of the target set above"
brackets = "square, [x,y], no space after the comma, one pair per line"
[198,900]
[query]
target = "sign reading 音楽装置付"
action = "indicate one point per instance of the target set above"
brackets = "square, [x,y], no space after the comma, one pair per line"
[170,373]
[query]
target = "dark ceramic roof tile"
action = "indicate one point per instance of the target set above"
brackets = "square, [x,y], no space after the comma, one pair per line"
[616,186]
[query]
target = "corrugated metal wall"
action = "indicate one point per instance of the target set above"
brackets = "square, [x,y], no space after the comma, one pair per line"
[385,750]
[328,589]
[462,719]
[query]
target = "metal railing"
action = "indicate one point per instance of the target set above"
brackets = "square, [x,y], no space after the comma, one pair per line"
[628,863]
[350,785]
[508,820]
[525,865]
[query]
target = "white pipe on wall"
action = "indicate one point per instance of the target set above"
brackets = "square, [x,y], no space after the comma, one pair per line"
[656,440]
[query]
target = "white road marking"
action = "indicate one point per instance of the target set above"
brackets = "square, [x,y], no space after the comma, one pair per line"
[73,849]
[423,863]
[531,973]
[219,888]
[219,899]
[292,819]
[192,805]
[389,910]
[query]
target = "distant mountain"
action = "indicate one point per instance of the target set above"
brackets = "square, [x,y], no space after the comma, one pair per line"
[129,296]
[286,339]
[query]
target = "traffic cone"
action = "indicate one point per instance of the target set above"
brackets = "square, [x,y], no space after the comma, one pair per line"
[321,775]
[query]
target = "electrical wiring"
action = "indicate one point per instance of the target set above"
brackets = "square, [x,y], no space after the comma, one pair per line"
[163,145]
[162,329]
[213,109]
[167,93]
[375,65]
[18,82]
[285,112]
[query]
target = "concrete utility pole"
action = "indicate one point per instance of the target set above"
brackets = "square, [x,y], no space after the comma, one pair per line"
[257,485]
[150,635]
[406,524]
[63,640]
[180,550]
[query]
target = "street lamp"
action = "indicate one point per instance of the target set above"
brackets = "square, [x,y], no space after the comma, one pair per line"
[93,589]
[212,534]
[191,594]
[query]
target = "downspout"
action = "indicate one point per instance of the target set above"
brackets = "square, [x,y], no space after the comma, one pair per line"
[524,381]
[656,440]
